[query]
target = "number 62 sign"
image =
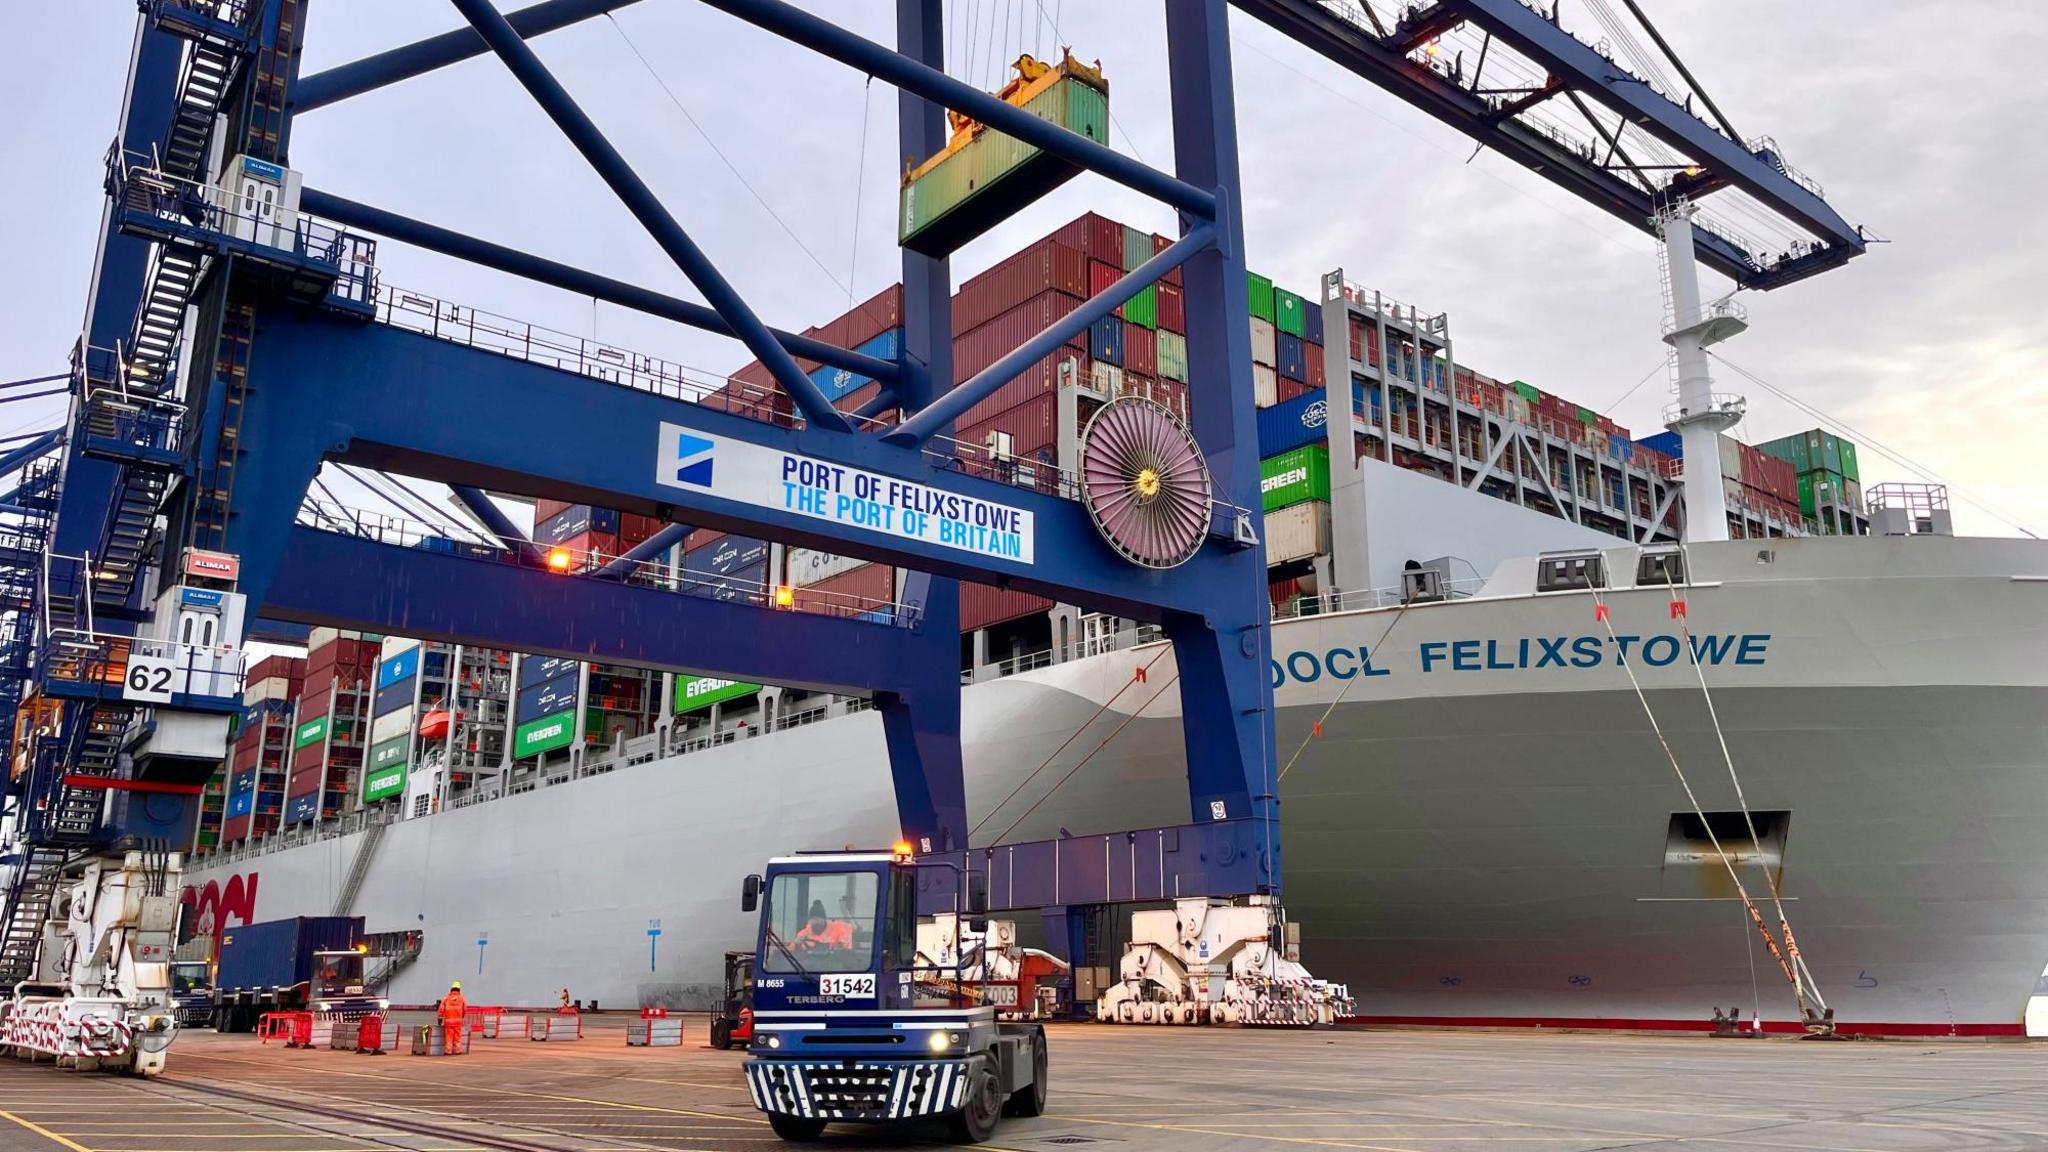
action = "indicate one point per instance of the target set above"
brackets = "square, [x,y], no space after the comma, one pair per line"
[149,678]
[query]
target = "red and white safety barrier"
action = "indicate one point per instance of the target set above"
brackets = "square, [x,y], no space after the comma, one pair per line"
[68,1027]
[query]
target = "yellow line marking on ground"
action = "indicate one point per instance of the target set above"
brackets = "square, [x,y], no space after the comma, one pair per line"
[475,1088]
[1241,1135]
[45,1133]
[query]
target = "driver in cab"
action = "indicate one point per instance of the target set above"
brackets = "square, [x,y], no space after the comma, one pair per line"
[819,932]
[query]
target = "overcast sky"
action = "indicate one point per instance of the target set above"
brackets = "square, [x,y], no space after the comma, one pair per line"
[1930,345]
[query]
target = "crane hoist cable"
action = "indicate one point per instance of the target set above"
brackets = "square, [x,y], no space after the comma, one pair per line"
[1682,612]
[1083,761]
[1137,677]
[1601,613]
[1316,729]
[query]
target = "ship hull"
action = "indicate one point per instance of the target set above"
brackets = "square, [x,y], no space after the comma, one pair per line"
[1487,829]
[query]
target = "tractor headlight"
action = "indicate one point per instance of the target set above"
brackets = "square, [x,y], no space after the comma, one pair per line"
[774,1041]
[942,1041]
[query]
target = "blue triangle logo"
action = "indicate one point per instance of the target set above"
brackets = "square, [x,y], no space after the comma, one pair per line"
[693,459]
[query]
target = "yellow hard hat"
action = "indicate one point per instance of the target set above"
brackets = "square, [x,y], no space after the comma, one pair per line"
[455,987]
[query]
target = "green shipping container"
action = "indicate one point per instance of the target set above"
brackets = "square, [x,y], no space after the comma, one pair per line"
[544,734]
[384,774]
[1137,248]
[1260,290]
[1588,416]
[1295,476]
[1173,356]
[1849,469]
[1831,449]
[1527,392]
[1791,449]
[1820,487]
[1290,313]
[311,732]
[1143,309]
[704,691]
[985,183]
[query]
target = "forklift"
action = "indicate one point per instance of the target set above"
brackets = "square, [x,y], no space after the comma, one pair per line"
[849,1027]
[732,1025]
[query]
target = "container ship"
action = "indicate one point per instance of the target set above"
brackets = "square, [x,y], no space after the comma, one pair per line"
[1486,637]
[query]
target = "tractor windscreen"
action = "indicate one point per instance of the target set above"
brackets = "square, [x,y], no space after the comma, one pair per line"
[338,974]
[820,922]
[189,977]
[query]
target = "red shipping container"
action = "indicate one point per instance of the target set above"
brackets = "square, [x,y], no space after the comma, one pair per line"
[549,509]
[1039,380]
[1171,393]
[1101,277]
[1031,426]
[1173,307]
[982,605]
[1290,389]
[234,829]
[589,544]
[1365,341]
[864,321]
[1044,267]
[1312,359]
[850,593]
[976,350]
[1141,349]
[702,537]
[633,529]
[1105,239]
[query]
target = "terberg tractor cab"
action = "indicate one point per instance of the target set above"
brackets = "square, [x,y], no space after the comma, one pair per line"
[847,1026]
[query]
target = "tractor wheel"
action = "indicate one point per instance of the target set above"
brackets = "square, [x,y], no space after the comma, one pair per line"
[800,1129]
[1030,1099]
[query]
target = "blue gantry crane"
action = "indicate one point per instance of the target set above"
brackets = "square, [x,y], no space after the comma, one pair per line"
[216,254]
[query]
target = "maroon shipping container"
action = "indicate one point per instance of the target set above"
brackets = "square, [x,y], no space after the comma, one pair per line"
[1031,426]
[582,547]
[982,605]
[1141,349]
[1173,308]
[1039,380]
[549,509]
[1046,266]
[234,829]
[1105,238]
[1161,244]
[862,589]
[1290,389]
[1171,393]
[1365,341]
[976,350]
[633,529]
[1312,359]
[865,321]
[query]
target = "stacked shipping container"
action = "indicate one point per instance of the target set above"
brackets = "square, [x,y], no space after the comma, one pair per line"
[333,723]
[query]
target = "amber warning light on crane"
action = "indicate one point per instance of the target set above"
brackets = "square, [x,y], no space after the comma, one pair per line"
[901,849]
[558,559]
[785,596]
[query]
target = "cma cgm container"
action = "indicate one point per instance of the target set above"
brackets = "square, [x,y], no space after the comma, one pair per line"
[305,963]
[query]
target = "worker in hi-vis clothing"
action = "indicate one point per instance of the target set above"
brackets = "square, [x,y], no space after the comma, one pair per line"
[454,1022]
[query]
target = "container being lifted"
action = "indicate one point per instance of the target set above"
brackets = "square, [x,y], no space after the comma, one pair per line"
[982,177]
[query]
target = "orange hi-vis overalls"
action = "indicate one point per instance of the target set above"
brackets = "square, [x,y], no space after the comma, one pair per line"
[454,1023]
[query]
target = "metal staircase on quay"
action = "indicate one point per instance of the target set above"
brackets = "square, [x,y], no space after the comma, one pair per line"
[28,904]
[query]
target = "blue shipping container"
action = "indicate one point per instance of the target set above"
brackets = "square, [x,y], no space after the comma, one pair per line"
[1620,448]
[1106,340]
[574,522]
[725,556]
[279,953]
[738,584]
[391,699]
[1668,443]
[1312,318]
[242,793]
[547,697]
[302,809]
[837,382]
[1292,365]
[535,669]
[1293,423]
[403,666]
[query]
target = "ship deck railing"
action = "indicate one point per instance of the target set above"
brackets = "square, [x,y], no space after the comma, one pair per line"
[428,315]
